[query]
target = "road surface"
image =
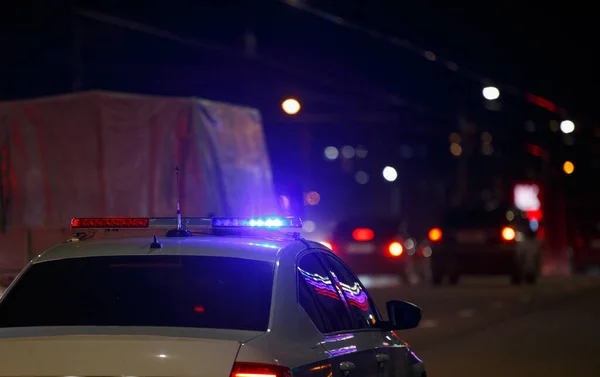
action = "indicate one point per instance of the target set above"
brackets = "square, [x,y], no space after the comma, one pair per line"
[489,328]
[560,340]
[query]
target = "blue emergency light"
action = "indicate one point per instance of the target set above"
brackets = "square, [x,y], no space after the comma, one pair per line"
[272,222]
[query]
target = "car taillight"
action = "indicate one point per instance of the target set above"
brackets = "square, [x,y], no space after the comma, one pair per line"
[363,234]
[435,234]
[259,370]
[395,249]
[508,233]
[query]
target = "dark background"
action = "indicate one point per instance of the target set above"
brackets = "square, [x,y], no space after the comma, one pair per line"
[354,88]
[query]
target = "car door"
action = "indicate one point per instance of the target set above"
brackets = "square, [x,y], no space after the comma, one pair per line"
[350,350]
[390,351]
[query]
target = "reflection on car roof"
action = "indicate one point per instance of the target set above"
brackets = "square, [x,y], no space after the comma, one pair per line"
[236,247]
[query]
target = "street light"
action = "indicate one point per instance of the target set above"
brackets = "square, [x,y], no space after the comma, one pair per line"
[491,93]
[566,126]
[568,167]
[291,106]
[390,174]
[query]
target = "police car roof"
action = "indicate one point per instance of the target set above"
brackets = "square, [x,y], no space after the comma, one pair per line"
[203,245]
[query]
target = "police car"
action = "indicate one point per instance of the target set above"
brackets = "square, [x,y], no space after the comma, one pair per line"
[211,297]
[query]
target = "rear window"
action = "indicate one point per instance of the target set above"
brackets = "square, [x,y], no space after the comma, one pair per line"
[474,219]
[171,291]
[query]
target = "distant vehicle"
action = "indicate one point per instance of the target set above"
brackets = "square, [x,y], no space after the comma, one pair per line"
[372,245]
[479,242]
[234,298]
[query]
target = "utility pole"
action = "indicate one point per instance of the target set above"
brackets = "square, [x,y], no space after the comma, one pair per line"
[77,53]
[466,131]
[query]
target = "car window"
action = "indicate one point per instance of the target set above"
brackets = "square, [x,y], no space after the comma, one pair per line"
[148,290]
[314,279]
[361,305]
[307,301]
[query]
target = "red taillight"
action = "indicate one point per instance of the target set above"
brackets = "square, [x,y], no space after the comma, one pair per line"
[508,233]
[259,370]
[109,222]
[435,234]
[363,234]
[395,249]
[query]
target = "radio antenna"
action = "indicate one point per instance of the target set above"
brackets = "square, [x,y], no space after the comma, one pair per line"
[180,231]
[178,198]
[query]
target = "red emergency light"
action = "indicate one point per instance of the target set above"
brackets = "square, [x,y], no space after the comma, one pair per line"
[110,222]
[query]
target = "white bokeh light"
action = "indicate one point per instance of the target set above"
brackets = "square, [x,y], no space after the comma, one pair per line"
[309,226]
[331,153]
[361,151]
[361,177]
[566,126]
[491,93]
[390,174]
[348,152]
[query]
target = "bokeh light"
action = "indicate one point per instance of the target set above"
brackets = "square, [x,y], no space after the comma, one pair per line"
[455,149]
[331,153]
[348,152]
[568,167]
[291,106]
[361,151]
[487,149]
[309,226]
[390,174]
[454,137]
[491,93]
[486,137]
[566,126]
[361,177]
[312,198]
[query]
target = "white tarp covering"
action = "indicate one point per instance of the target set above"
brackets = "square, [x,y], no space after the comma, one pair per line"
[114,154]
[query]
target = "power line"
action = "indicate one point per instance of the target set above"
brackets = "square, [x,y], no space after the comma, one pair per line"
[388,98]
[424,53]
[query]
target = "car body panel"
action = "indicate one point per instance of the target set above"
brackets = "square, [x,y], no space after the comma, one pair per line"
[116,355]
[291,340]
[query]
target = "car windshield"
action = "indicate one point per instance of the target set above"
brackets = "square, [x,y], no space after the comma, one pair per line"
[149,290]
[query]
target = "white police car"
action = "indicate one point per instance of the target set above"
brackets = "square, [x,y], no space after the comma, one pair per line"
[224,300]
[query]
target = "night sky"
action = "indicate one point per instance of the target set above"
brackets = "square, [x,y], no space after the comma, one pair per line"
[544,49]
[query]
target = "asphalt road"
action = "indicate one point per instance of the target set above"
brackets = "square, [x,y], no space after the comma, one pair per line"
[485,327]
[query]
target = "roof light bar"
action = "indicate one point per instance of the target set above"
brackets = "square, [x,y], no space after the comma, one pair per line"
[270,222]
[138,222]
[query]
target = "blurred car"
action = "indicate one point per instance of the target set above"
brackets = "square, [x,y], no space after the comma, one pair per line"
[234,298]
[480,242]
[372,245]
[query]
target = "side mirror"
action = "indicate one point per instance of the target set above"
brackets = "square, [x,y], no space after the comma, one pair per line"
[402,315]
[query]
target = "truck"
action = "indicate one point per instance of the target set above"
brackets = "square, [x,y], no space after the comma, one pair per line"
[99,153]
